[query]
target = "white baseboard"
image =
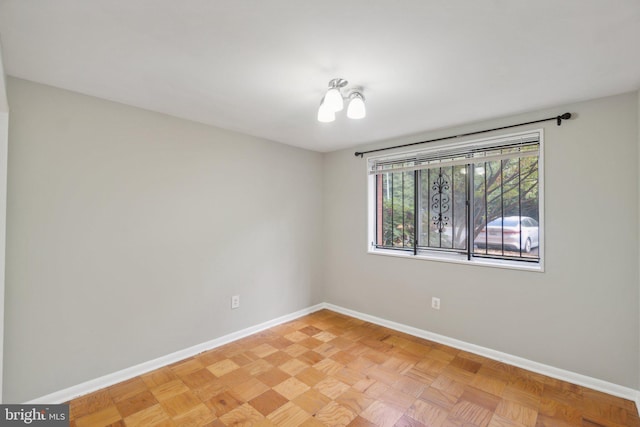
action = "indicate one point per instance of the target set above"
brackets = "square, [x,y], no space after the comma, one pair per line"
[134,371]
[550,371]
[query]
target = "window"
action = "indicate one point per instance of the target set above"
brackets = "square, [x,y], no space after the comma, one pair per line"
[477,202]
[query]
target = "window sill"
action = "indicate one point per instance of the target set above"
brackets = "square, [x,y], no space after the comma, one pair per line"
[462,259]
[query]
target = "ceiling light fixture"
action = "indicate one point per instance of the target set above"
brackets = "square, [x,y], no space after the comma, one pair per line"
[333,101]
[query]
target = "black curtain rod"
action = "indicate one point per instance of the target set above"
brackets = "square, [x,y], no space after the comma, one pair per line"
[558,119]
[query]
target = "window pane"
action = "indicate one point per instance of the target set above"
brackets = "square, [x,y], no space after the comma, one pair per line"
[443,208]
[459,213]
[408,209]
[530,205]
[398,211]
[479,208]
[505,208]
[395,211]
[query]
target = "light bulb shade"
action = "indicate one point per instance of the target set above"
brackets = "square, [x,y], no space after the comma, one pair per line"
[333,100]
[325,114]
[356,109]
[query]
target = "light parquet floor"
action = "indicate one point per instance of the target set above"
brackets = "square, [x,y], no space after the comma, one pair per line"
[327,369]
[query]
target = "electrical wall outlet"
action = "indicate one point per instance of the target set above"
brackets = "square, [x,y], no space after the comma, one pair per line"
[235,301]
[435,303]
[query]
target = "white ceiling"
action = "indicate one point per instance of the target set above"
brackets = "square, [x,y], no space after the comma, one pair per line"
[261,67]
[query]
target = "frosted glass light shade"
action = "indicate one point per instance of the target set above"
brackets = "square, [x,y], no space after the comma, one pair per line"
[356,109]
[333,100]
[325,114]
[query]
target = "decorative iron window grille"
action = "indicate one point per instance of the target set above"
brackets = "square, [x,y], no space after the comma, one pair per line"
[479,199]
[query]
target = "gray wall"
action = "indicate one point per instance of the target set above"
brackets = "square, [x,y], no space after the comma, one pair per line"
[581,314]
[128,232]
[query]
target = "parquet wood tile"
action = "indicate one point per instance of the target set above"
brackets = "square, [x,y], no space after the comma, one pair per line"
[517,412]
[105,416]
[481,398]
[334,414]
[376,389]
[199,378]
[397,399]
[208,391]
[136,403]
[273,376]
[355,400]
[327,369]
[343,357]
[331,387]
[250,389]
[489,384]
[244,415]
[439,398]
[180,403]
[349,376]
[295,350]
[410,386]
[327,349]
[277,358]
[469,413]
[186,367]
[149,417]
[198,415]
[361,422]
[289,414]
[268,402]
[223,367]
[311,401]
[168,390]
[328,366]
[257,367]
[222,403]
[381,414]
[291,388]
[562,413]
[294,366]
[126,390]
[159,377]
[427,413]
[312,422]
[448,385]
[90,403]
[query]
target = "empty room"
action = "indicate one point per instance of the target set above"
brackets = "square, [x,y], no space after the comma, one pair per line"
[289,213]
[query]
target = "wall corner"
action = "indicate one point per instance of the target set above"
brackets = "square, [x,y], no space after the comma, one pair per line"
[4,142]
[638,238]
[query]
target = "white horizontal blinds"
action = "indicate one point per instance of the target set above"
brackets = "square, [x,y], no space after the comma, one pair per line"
[503,149]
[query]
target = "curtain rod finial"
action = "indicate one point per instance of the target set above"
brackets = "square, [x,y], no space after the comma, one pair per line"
[565,116]
[357,153]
